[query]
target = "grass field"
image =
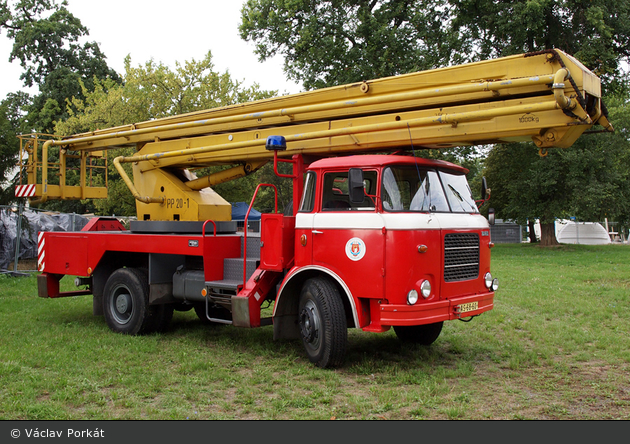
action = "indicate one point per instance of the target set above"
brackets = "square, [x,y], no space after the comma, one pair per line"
[556,346]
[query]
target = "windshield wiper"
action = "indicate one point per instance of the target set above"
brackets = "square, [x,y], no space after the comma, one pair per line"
[456,193]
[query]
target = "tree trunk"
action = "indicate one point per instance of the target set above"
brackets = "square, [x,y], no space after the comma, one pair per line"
[532,231]
[548,235]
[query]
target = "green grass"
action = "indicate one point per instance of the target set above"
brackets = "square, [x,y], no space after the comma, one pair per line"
[556,346]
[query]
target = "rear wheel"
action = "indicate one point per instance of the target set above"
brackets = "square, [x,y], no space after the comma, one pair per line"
[322,322]
[419,334]
[126,303]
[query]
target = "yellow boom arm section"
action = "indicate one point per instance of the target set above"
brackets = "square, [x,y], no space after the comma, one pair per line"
[549,98]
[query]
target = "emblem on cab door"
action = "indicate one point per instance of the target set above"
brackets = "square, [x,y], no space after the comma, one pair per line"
[355,249]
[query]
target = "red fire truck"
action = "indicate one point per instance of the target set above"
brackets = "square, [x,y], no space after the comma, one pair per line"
[377,237]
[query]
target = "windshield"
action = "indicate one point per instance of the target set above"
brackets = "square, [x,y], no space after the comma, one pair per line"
[423,190]
[458,193]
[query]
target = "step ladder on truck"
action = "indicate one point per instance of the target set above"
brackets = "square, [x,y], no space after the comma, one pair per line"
[377,238]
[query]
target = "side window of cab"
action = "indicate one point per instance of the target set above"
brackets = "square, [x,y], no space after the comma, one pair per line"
[335,193]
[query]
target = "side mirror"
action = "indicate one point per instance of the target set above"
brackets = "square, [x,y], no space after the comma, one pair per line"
[355,186]
[491,216]
[484,188]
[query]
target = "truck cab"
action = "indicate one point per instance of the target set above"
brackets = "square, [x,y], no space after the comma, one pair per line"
[398,239]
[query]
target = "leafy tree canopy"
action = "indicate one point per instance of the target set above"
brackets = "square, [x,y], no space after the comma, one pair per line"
[46,37]
[153,91]
[11,125]
[47,43]
[332,42]
[596,32]
[590,180]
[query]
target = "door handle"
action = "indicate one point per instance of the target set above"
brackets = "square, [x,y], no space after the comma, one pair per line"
[317,232]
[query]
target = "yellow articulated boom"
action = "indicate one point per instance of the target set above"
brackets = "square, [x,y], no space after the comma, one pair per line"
[548,98]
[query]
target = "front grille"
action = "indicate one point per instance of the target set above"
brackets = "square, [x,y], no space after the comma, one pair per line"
[461,257]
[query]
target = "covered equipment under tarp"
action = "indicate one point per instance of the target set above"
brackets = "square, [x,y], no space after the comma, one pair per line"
[583,233]
[32,223]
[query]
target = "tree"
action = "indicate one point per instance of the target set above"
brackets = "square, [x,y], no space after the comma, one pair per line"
[599,174]
[46,42]
[596,32]
[590,180]
[11,115]
[334,42]
[527,186]
[149,92]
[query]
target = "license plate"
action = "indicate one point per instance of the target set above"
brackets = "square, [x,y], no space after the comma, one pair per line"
[470,306]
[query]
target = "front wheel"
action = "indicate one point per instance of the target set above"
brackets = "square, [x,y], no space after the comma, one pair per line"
[322,322]
[419,334]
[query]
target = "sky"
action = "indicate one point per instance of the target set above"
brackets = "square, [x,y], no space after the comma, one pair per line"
[168,32]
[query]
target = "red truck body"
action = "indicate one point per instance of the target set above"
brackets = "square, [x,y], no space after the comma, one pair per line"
[372,255]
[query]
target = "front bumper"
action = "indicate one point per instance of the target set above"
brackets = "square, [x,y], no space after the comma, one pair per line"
[432,312]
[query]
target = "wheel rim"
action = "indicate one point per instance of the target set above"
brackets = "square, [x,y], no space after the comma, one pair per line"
[121,305]
[310,325]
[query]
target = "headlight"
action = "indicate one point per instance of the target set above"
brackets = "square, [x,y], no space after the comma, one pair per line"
[495,284]
[425,289]
[488,280]
[412,297]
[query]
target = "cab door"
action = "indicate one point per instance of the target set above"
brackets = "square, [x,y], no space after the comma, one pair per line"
[348,238]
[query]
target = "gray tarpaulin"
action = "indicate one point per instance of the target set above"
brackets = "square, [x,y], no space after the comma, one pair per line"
[32,223]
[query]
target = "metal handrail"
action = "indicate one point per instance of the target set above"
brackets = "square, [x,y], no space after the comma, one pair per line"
[203,230]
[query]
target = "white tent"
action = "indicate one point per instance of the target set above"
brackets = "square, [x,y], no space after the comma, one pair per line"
[584,233]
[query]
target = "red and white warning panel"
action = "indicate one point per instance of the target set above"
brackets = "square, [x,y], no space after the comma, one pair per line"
[25,190]
[41,252]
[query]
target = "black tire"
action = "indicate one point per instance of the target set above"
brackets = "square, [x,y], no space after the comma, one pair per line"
[419,334]
[126,303]
[322,322]
[214,312]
